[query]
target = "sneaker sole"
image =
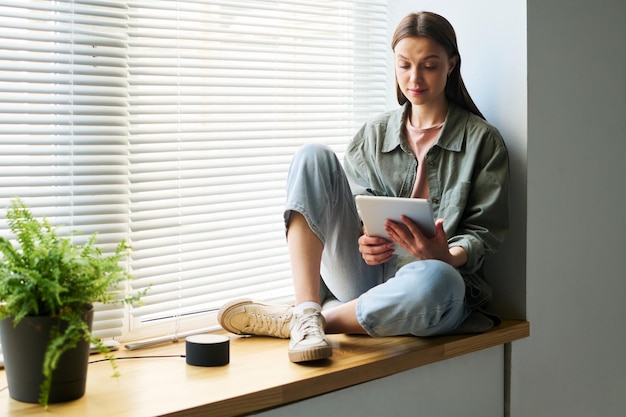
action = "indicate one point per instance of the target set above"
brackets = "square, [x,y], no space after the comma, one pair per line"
[313,354]
[228,306]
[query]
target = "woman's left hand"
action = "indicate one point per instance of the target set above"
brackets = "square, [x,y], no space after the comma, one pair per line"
[408,235]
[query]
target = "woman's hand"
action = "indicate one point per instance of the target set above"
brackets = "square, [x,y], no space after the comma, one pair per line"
[375,250]
[408,235]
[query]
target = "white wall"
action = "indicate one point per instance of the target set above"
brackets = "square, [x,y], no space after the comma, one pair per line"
[467,386]
[573,364]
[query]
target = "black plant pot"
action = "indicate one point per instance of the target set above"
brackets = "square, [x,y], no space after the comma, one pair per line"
[24,348]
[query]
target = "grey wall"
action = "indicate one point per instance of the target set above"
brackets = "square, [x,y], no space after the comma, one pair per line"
[573,364]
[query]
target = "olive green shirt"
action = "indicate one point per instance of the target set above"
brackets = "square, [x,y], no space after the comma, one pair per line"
[468,179]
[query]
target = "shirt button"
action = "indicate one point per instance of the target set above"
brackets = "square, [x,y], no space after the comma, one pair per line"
[435,200]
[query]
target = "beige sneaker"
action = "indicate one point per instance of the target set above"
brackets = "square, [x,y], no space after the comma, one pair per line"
[249,317]
[308,341]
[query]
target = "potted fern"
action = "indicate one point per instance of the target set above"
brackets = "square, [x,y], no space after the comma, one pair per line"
[48,286]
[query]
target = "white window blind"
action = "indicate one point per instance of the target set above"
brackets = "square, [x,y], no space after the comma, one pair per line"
[221,95]
[172,124]
[63,106]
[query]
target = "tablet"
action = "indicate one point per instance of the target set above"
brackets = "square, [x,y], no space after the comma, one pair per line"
[375,211]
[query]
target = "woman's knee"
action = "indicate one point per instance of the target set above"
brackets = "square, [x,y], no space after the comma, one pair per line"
[316,172]
[424,298]
[433,280]
[314,155]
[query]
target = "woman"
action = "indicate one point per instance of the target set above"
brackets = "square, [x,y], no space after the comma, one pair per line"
[438,146]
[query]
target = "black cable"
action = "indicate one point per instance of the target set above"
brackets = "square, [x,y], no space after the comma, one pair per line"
[139,357]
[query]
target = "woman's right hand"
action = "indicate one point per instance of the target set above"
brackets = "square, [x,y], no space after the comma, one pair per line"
[375,250]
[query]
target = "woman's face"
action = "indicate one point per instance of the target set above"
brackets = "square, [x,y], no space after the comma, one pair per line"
[422,68]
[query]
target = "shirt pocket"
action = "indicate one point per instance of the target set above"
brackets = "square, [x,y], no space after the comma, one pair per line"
[453,204]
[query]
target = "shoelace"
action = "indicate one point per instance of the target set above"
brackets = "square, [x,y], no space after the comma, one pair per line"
[308,326]
[267,324]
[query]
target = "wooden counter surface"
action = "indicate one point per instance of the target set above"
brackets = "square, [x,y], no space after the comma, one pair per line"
[258,377]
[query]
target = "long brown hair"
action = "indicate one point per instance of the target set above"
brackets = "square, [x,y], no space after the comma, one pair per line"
[437,28]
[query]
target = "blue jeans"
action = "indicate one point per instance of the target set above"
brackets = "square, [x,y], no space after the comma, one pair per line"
[423,298]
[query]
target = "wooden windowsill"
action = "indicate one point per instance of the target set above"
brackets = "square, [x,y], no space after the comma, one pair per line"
[258,377]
